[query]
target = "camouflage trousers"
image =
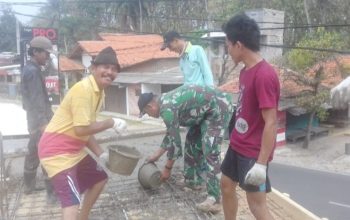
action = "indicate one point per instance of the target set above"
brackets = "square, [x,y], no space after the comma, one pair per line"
[202,156]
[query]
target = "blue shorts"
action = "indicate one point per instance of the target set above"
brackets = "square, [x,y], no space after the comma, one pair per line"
[236,166]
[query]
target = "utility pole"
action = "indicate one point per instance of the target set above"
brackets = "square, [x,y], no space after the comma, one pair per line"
[18,36]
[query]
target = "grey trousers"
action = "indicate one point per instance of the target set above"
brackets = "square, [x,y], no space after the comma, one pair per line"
[31,164]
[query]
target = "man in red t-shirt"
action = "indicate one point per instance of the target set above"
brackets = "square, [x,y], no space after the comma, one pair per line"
[252,140]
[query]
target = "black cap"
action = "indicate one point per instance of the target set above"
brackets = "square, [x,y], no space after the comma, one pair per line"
[168,38]
[144,99]
[107,56]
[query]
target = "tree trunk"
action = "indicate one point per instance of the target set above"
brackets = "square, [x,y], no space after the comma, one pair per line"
[308,130]
[223,70]
[306,9]
[65,44]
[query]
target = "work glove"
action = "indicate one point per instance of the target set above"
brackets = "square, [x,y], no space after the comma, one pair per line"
[256,175]
[119,125]
[104,158]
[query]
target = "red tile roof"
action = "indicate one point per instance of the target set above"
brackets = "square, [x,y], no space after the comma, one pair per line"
[231,86]
[130,49]
[132,38]
[288,82]
[69,65]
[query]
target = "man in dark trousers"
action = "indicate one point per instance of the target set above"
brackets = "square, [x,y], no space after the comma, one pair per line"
[38,107]
[253,137]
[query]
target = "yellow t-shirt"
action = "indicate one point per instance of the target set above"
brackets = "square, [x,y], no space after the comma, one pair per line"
[60,148]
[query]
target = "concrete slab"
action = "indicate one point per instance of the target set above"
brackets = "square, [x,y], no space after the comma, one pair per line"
[124,198]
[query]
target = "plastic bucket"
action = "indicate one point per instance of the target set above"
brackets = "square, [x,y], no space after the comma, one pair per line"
[122,159]
[149,176]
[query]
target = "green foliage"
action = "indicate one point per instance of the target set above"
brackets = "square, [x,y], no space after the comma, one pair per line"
[322,114]
[8,31]
[314,102]
[303,59]
[195,38]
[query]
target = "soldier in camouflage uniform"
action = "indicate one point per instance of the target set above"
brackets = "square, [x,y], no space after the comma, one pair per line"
[206,111]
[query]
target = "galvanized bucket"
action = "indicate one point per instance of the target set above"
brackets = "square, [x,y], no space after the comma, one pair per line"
[122,159]
[149,176]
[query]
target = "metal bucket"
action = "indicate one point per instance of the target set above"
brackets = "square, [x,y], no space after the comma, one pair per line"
[149,176]
[122,159]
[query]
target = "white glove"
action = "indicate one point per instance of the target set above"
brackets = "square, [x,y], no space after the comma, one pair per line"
[256,175]
[119,125]
[104,157]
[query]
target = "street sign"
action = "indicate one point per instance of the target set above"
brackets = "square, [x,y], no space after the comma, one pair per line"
[50,71]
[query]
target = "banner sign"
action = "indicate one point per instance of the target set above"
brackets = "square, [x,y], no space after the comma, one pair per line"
[50,71]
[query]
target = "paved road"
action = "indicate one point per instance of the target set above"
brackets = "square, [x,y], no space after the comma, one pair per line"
[323,193]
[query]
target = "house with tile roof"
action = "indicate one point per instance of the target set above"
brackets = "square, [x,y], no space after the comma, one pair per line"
[145,68]
[291,117]
[71,70]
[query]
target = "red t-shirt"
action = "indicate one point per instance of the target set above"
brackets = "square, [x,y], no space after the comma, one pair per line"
[259,88]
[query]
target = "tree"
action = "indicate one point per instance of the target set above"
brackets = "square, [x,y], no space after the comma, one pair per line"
[297,13]
[8,31]
[310,75]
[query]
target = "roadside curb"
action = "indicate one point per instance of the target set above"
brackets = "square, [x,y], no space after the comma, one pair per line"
[295,210]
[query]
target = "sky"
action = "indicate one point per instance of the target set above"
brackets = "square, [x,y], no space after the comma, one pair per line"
[24,9]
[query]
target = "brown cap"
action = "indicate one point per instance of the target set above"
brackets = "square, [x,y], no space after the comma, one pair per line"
[42,43]
[107,56]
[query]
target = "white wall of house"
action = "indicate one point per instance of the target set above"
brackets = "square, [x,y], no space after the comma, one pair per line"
[154,88]
[269,18]
[86,60]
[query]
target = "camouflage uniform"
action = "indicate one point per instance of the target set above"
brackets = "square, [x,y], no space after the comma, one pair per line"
[206,112]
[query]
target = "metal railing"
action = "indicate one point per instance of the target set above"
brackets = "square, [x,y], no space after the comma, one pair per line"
[4,187]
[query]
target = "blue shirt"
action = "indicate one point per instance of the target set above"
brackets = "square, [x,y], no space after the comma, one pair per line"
[195,67]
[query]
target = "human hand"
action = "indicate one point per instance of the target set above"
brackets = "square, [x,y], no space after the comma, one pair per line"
[119,125]
[153,158]
[104,157]
[165,174]
[256,175]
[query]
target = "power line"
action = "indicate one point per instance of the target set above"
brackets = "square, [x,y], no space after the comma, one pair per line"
[23,3]
[330,50]
[308,48]
[307,26]
[299,26]
[26,15]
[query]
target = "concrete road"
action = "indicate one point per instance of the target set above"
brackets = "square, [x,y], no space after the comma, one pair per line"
[323,193]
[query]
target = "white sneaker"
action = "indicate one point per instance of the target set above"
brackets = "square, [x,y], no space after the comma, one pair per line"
[209,205]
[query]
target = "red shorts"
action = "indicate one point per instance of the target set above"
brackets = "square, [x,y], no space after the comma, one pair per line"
[72,182]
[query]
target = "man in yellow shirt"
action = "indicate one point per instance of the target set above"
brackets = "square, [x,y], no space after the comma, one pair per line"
[72,171]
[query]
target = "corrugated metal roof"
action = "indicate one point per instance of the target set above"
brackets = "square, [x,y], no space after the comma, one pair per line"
[173,77]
